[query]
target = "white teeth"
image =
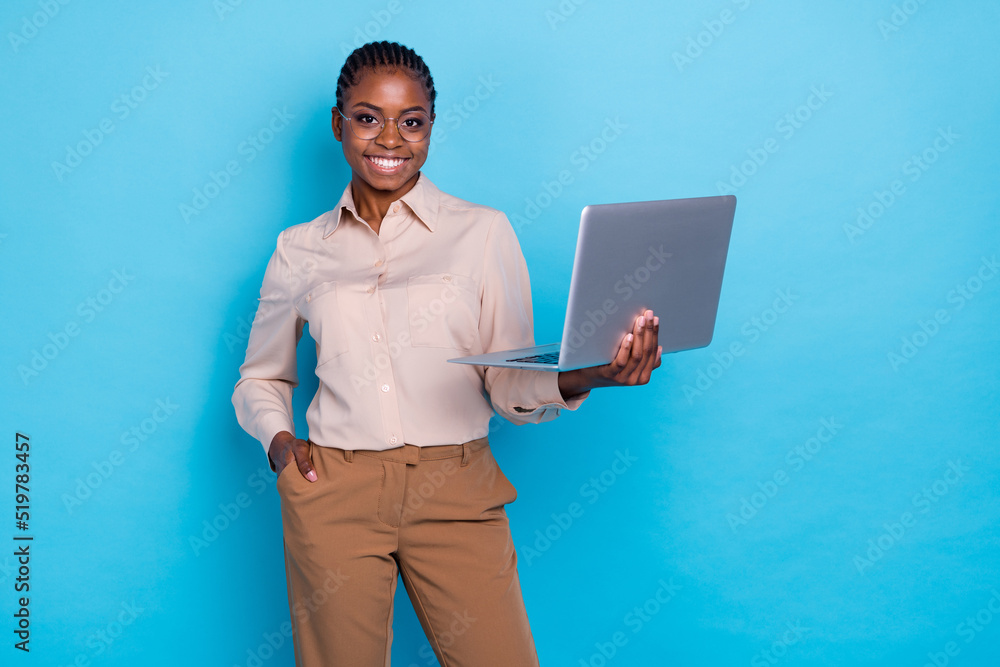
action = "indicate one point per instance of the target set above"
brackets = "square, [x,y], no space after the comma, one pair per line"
[387,163]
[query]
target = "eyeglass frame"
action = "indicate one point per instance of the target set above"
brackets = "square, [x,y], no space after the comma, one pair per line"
[381,128]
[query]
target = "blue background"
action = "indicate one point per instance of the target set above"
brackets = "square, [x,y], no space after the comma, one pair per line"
[873,551]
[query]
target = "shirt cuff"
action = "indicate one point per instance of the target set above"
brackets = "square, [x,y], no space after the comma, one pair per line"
[547,394]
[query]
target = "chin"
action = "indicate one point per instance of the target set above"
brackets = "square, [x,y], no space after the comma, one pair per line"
[390,183]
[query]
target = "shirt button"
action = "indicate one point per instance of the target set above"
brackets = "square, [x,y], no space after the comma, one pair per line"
[446,278]
[371,289]
[376,337]
[385,387]
[378,262]
[395,208]
[309,297]
[392,440]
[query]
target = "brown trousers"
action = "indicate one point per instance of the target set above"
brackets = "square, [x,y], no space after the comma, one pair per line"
[433,514]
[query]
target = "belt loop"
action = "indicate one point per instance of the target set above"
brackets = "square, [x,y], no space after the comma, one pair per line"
[349,455]
[466,451]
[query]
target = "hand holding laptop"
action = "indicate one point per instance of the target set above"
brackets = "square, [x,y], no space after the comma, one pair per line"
[638,354]
[633,259]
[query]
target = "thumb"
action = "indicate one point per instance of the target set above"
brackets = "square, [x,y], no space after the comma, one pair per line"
[303,462]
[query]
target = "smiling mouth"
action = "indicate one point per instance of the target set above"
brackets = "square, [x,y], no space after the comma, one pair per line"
[386,165]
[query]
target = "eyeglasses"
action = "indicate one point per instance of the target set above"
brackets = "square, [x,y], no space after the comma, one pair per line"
[367,124]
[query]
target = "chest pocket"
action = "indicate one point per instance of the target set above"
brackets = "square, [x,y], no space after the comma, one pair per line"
[443,311]
[320,308]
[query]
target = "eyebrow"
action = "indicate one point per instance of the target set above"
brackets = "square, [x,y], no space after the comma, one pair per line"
[382,111]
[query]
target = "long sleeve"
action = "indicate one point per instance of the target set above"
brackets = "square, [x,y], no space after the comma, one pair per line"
[520,395]
[263,395]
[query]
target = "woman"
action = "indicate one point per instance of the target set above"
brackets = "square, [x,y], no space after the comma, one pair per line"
[397,475]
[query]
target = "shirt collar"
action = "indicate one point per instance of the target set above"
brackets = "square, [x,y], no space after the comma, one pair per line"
[424,199]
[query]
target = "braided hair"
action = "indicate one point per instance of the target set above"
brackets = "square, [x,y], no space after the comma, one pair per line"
[387,55]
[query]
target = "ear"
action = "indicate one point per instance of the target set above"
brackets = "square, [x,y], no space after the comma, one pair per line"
[338,125]
[431,131]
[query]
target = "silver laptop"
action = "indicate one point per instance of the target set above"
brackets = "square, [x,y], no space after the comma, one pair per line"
[667,256]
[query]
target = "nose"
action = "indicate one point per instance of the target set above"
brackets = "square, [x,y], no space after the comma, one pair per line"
[389,136]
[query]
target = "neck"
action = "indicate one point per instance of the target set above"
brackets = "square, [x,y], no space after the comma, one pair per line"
[372,204]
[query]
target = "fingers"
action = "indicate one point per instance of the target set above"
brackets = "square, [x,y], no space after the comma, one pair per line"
[645,350]
[639,352]
[659,348]
[642,323]
[650,351]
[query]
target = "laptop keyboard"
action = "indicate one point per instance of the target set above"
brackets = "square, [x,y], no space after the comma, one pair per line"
[547,358]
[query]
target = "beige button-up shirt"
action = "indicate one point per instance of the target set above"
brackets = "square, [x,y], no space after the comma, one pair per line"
[442,278]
